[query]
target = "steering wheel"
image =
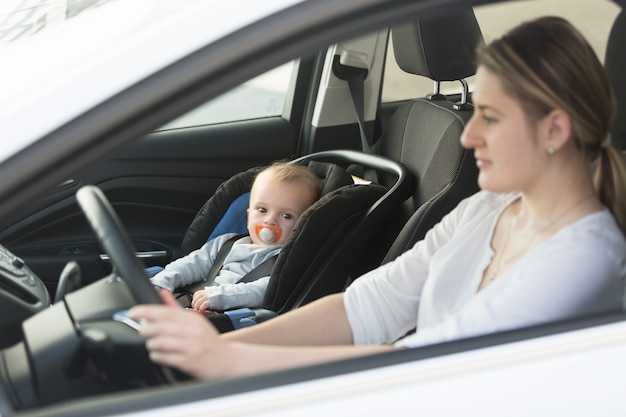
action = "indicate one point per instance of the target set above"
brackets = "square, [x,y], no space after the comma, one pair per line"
[114,239]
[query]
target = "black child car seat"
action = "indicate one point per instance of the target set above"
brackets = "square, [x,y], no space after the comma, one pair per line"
[318,257]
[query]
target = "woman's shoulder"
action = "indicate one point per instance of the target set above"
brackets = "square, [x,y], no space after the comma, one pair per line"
[598,231]
[599,224]
[487,201]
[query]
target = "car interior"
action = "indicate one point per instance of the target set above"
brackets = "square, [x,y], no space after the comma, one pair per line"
[446,172]
[166,193]
[320,254]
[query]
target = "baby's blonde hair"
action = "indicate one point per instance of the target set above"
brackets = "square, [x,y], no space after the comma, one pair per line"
[294,173]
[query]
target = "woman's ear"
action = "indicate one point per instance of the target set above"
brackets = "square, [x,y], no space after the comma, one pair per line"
[557,129]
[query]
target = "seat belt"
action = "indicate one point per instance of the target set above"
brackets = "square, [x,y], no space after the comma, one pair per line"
[355,78]
[185,294]
[262,270]
[356,83]
[219,260]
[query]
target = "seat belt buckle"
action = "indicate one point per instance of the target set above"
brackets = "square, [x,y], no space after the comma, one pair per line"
[241,317]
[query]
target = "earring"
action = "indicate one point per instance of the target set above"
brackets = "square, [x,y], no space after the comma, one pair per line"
[551,150]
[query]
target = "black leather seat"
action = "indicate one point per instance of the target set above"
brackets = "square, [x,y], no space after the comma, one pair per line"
[424,134]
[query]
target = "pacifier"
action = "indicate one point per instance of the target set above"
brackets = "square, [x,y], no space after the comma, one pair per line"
[268,234]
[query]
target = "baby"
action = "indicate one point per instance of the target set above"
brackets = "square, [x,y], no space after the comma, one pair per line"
[279,195]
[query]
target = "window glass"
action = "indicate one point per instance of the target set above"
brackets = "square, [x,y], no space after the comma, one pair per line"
[494,20]
[263,96]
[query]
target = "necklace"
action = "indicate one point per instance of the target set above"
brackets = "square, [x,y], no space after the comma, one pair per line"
[505,261]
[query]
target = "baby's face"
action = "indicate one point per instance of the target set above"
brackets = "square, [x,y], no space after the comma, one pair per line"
[275,206]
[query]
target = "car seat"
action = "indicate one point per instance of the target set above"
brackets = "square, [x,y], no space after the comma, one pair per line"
[346,233]
[424,134]
[317,257]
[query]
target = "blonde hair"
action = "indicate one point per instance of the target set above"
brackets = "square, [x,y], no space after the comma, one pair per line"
[547,64]
[294,173]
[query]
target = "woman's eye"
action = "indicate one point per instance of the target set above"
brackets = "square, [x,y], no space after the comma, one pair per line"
[490,120]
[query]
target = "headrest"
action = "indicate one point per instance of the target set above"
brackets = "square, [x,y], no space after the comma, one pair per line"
[615,63]
[442,47]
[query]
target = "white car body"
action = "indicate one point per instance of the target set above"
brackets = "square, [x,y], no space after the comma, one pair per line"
[578,373]
[573,369]
[94,46]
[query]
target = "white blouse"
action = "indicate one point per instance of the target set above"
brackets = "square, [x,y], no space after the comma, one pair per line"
[434,286]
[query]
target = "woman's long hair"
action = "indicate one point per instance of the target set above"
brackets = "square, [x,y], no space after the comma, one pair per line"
[547,64]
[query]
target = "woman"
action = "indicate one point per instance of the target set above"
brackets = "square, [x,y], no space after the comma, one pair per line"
[540,243]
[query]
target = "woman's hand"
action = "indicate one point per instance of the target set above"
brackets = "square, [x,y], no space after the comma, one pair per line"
[200,301]
[182,339]
[185,340]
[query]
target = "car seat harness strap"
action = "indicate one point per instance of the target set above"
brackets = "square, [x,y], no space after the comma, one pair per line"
[185,294]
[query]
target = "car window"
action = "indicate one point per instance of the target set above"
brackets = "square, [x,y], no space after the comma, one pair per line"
[263,96]
[494,20]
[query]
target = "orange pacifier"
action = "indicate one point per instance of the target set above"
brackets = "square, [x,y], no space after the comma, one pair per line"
[268,234]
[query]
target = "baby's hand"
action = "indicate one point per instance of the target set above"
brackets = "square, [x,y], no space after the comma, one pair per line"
[200,301]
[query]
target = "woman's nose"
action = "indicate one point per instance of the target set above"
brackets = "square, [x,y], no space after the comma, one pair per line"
[470,137]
